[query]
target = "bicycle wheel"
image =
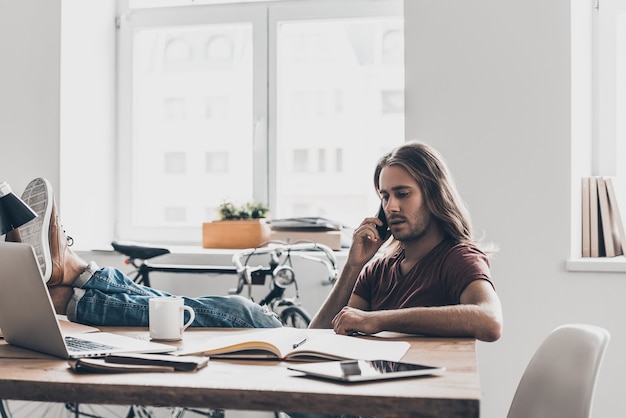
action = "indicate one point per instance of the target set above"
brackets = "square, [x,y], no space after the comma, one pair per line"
[176,412]
[4,409]
[27,409]
[295,317]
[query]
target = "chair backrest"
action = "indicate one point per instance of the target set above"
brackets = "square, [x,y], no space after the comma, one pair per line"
[560,379]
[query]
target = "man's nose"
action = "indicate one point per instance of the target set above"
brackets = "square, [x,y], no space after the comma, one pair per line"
[392,205]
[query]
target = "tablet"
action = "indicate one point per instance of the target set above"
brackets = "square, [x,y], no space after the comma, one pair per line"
[364,370]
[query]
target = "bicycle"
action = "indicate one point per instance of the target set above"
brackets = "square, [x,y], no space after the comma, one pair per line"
[281,270]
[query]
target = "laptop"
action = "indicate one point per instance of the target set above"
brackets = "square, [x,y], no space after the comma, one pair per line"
[28,319]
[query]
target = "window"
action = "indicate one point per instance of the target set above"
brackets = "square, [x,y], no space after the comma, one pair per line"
[598,103]
[620,88]
[609,85]
[287,103]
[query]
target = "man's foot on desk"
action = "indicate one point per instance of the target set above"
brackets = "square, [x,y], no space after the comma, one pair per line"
[59,265]
[38,195]
[66,265]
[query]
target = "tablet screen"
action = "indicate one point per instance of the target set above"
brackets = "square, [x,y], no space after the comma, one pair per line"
[363,370]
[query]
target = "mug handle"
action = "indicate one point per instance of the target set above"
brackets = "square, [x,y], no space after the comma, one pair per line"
[192,316]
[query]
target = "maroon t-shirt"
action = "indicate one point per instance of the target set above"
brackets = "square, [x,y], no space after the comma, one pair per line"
[438,279]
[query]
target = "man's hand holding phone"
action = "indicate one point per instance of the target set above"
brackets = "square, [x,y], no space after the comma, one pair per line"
[365,244]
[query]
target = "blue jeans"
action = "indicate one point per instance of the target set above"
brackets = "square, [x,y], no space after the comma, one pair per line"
[107,297]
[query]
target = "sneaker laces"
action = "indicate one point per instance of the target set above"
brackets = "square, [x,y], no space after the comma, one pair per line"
[70,240]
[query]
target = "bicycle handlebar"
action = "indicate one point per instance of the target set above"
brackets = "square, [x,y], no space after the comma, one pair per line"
[279,247]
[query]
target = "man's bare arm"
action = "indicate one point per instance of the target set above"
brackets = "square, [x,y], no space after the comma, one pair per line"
[479,316]
[365,244]
[337,298]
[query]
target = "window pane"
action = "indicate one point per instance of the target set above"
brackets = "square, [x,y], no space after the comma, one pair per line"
[340,100]
[192,122]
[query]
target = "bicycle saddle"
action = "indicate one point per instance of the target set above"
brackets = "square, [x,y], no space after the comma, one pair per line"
[139,251]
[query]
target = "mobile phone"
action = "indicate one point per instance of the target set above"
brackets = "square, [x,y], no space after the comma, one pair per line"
[383,231]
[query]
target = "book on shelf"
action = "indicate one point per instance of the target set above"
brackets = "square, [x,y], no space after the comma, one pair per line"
[618,227]
[586,227]
[306,224]
[602,227]
[296,344]
[594,238]
[605,219]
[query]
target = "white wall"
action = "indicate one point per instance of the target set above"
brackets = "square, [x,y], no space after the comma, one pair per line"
[488,84]
[29,91]
[57,89]
[87,169]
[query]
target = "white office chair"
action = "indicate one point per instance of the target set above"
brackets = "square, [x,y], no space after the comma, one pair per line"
[560,379]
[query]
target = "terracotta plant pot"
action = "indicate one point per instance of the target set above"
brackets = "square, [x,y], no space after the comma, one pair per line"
[240,233]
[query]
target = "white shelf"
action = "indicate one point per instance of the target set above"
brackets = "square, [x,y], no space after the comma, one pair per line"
[598,264]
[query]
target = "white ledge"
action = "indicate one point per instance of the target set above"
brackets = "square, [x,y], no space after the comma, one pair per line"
[597,264]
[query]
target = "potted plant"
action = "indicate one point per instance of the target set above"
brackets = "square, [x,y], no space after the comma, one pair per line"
[239,227]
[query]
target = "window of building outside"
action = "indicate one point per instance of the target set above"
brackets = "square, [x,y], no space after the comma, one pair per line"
[288,103]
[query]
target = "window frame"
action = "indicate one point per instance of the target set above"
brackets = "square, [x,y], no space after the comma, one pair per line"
[603,119]
[264,16]
[596,148]
[182,16]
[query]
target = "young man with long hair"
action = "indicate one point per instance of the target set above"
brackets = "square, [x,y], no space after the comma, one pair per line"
[431,277]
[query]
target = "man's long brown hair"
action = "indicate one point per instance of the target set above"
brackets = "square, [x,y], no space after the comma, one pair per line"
[430,172]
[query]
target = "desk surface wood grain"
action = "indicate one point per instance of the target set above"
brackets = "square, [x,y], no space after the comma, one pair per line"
[257,385]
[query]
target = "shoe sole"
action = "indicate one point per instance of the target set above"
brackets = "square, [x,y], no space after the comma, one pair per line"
[38,195]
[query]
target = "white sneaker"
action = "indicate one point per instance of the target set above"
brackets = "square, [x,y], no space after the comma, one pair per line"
[38,195]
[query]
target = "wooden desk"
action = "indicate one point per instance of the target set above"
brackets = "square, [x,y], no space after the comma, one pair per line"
[256,385]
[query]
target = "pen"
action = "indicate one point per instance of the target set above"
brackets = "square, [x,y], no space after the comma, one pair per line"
[296,345]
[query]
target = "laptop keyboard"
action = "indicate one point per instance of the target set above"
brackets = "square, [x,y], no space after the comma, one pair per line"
[77,344]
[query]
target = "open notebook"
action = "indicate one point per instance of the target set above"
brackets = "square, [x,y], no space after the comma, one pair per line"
[295,344]
[28,320]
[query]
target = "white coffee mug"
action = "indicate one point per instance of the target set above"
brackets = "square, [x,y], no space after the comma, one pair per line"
[167,318]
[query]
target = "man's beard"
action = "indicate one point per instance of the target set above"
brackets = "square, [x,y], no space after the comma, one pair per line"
[421,224]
